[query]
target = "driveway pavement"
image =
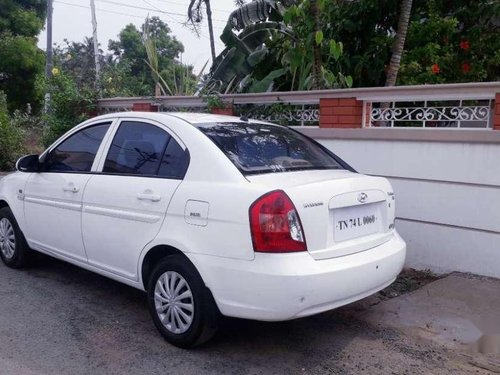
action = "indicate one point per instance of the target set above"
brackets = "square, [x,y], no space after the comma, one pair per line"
[461,312]
[59,319]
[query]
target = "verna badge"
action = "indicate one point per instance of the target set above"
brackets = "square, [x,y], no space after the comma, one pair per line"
[362,197]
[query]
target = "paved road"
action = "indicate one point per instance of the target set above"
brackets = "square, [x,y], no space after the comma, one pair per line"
[58,319]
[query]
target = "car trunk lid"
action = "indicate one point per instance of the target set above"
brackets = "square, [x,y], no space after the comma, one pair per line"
[341,212]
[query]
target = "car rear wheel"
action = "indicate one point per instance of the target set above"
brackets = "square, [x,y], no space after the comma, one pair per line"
[13,246]
[181,306]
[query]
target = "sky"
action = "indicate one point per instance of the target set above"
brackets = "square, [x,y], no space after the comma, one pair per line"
[72,21]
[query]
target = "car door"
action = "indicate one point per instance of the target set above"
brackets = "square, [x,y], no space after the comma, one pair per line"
[53,197]
[125,205]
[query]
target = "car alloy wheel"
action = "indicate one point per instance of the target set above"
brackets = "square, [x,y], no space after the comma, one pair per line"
[13,247]
[7,239]
[174,302]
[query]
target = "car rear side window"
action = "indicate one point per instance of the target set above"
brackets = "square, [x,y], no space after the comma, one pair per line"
[143,149]
[76,153]
[264,148]
[175,161]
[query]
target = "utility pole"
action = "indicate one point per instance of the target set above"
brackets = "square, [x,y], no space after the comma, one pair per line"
[48,64]
[96,45]
[210,29]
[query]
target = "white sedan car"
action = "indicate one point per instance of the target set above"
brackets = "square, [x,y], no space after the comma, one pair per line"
[208,214]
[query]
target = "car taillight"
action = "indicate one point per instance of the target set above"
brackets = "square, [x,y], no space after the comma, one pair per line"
[275,224]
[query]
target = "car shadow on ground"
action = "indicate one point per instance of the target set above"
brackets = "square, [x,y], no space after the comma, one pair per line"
[104,326]
[232,330]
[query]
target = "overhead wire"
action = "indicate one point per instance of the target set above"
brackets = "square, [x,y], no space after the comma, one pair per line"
[177,3]
[150,9]
[158,9]
[127,14]
[101,10]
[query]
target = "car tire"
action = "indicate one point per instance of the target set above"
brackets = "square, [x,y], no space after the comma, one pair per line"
[184,322]
[13,246]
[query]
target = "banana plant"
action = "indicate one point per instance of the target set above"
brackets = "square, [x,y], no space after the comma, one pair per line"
[234,68]
[273,45]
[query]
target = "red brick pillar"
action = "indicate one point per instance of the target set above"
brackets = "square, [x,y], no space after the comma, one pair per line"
[340,113]
[228,110]
[496,112]
[144,107]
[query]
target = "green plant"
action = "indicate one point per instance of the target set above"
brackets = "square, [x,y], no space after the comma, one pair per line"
[26,121]
[214,101]
[11,138]
[68,106]
[313,57]
[32,129]
[181,78]
[149,42]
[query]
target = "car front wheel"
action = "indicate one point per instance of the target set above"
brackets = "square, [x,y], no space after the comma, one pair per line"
[181,306]
[13,246]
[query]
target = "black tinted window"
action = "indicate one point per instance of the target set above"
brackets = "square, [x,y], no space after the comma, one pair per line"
[262,148]
[174,162]
[77,153]
[137,149]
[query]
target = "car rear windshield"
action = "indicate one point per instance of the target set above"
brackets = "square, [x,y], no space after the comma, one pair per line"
[263,148]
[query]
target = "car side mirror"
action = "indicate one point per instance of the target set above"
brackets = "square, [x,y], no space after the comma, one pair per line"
[28,163]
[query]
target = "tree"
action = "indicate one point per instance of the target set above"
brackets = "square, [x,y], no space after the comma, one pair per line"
[452,41]
[76,59]
[24,17]
[365,28]
[446,41]
[399,42]
[20,58]
[130,54]
[432,50]
[126,70]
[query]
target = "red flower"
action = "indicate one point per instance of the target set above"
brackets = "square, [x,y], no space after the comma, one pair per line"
[464,44]
[466,67]
[435,68]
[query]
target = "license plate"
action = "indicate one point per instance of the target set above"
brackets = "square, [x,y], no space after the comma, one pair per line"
[356,221]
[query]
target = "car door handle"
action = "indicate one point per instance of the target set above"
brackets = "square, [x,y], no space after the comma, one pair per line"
[148,197]
[71,188]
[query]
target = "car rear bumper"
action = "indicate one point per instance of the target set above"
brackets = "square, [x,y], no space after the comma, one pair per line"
[276,287]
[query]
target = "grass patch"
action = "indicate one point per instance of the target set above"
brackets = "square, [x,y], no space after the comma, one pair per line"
[408,281]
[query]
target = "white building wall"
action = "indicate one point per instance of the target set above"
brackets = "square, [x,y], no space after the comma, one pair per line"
[448,198]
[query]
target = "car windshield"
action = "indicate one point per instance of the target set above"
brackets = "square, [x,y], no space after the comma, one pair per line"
[263,148]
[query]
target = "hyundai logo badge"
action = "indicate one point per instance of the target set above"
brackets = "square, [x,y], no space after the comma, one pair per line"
[362,197]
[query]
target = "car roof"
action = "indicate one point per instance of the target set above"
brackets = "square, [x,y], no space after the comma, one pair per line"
[192,118]
[200,118]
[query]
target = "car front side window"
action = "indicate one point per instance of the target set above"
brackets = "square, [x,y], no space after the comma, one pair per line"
[77,152]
